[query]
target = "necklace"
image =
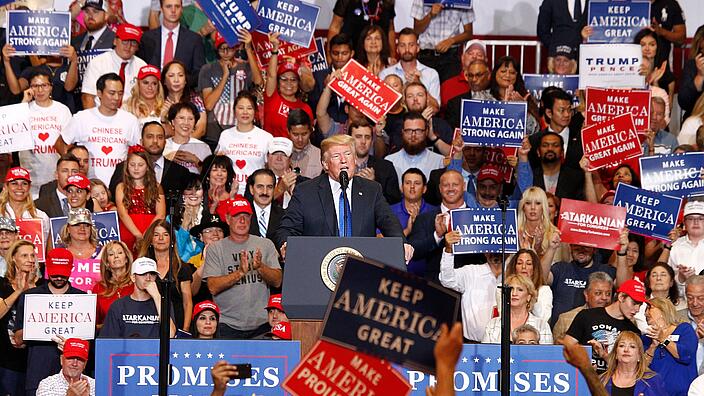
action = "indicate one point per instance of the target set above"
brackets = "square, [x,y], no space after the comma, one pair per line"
[369,16]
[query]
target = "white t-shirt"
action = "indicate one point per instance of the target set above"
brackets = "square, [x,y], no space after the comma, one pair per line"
[46,124]
[109,62]
[194,146]
[247,150]
[106,138]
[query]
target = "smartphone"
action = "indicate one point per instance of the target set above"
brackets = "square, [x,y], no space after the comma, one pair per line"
[244,371]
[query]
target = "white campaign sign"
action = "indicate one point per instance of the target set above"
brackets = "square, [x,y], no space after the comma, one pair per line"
[66,315]
[610,66]
[15,132]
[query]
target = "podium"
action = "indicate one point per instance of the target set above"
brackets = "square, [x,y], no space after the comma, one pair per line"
[310,275]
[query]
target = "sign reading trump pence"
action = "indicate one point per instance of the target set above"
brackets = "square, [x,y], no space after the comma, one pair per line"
[66,315]
[482,231]
[364,91]
[493,123]
[610,66]
[384,312]
[611,142]
[591,224]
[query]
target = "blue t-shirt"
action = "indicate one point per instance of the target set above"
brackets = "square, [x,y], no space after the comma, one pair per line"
[569,281]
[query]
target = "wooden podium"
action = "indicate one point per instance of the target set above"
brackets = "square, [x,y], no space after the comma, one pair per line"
[307,332]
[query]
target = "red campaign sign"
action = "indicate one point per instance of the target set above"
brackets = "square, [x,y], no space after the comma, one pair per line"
[33,230]
[611,142]
[497,156]
[364,90]
[329,369]
[591,224]
[262,48]
[604,104]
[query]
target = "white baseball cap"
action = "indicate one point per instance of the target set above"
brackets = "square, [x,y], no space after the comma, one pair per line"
[282,144]
[143,265]
[694,207]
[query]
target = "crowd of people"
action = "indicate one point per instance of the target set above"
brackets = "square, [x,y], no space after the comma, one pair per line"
[204,152]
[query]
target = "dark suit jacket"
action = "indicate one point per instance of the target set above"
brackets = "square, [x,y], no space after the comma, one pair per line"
[570,183]
[174,177]
[556,27]
[48,201]
[574,144]
[385,174]
[277,212]
[311,211]
[189,50]
[103,42]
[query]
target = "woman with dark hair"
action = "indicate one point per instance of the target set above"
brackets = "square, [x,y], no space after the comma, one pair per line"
[204,325]
[182,147]
[352,16]
[176,89]
[655,69]
[527,263]
[507,84]
[594,188]
[627,370]
[660,282]
[217,177]
[189,213]
[692,79]
[553,207]
[373,49]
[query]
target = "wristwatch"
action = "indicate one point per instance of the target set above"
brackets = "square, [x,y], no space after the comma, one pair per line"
[665,343]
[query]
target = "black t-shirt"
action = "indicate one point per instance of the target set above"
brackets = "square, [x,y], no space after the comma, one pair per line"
[357,14]
[596,324]
[184,275]
[569,282]
[10,357]
[616,391]
[668,13]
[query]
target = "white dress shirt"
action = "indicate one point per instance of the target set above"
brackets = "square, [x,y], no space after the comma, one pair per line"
[165,36]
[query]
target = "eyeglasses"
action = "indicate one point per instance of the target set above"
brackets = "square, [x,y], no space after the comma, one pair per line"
[417,131]
[694,219]
[40,86]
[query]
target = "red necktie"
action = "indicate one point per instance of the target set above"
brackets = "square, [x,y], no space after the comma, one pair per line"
[122,71]
[169,49]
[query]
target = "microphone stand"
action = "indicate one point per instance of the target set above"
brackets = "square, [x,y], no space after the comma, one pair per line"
[344,183]
[505,371]
[164,325]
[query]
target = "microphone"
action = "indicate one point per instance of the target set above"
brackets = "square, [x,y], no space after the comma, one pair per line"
[344,179]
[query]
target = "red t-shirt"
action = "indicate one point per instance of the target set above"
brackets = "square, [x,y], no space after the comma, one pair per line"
[276,111]
[105,302]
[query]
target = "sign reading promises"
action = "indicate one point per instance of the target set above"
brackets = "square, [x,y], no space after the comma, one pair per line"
[364,91]
[14,124]
[610,66]
[262,47]
[33,230]
[104,222]
[388,313]
[481,231]
[611,142]
[603,104]
[38,32]
[617,21]
[536,83]
[493,123]
[648,213]
[333,370]
[294,20]
[66,315]
[591,224]
[229,16]
[677,174]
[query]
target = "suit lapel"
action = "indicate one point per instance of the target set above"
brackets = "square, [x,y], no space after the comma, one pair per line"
[326,202]
[360,202]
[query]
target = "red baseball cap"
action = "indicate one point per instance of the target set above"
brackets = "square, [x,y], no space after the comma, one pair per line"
[129,32]
[75,347]
[219,40]
[79,181]
[634,289]
[148,70]
[491,172]
[282,330]
[288,67]
[205,305]
[59,262]
[17,173]
[239,205]
[275,302]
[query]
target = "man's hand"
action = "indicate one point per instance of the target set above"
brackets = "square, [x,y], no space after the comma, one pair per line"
[289,180]
[257,260]
[153,291]
[407,252]
[523,151]
[435,10]
[599,349]
[441,224]
[283,251]
[222,372]
[367,173]
[444,45]
[576,355]
[79,387]
[68,52]
[244,262]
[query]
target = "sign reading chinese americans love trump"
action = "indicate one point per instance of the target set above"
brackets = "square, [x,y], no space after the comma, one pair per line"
[591,224]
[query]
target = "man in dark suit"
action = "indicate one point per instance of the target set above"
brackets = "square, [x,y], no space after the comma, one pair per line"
[552,175]
[372,168]
[317,207]
[563,121]
[560,22]
[172,41]
[53,199]
[97,35]
[268,213]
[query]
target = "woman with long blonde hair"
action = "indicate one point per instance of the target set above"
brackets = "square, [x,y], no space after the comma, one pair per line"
[147,96]
[688,131]
[115,281]
[627,369]
[16,201]
[535,230]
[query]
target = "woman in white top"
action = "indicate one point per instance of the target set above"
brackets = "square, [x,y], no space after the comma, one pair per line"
[688,132]
[16,202]
[523,296]
[526,263]
[183,148]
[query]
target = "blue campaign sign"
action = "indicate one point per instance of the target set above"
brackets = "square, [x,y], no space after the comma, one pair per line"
[466,4]
[493,123]
[106,224]
[229,16]
[617,21]
[536,83]
[131,366]
[482,231]
[648,213]
[38,32]
[317,59]
[679,175]
[295,20]
[535,370]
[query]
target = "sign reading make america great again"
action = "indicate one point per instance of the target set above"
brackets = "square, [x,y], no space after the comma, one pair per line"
[611,142]
[383,312]
[604,104]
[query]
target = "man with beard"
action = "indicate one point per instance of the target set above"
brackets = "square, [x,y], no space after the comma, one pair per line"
[551,175]
[439,132]
[563,121]
[268,213]
[478,77]
[414,153]
[43,357]
[97,35]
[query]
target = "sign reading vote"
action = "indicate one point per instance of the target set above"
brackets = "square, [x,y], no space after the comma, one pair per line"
[610,66]
[604,103]
[482,231]
[611,142]
[230,16]
[66,315]
[493,123]
[617,21]
[388,313]
[677,174]
[536,83]
[329,369]
[294,20]
[14,124]
[33,230]
[38,32]
[364,91]
[648,213]
[104,222]
[263,48]
[535,370]
[591,224]
[129,367]
[318,61]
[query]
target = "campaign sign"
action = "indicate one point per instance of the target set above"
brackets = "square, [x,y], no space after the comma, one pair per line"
[493,123]
[604,103]
[85,274]
[535,370]
[38,32]
[33,230]
[364,91]
[617,21]
[84,57]
[497,157]
[129,367]
[679,175]
[294,20]
[66,315]
[262,48]
[317,60]
[104,222]
[648,213]
[536,83]
[394,315]
[466,4]
[591,224]
[16,132]
[229,16]
[611,142]
[333,370]
[482,231]
[610,66]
